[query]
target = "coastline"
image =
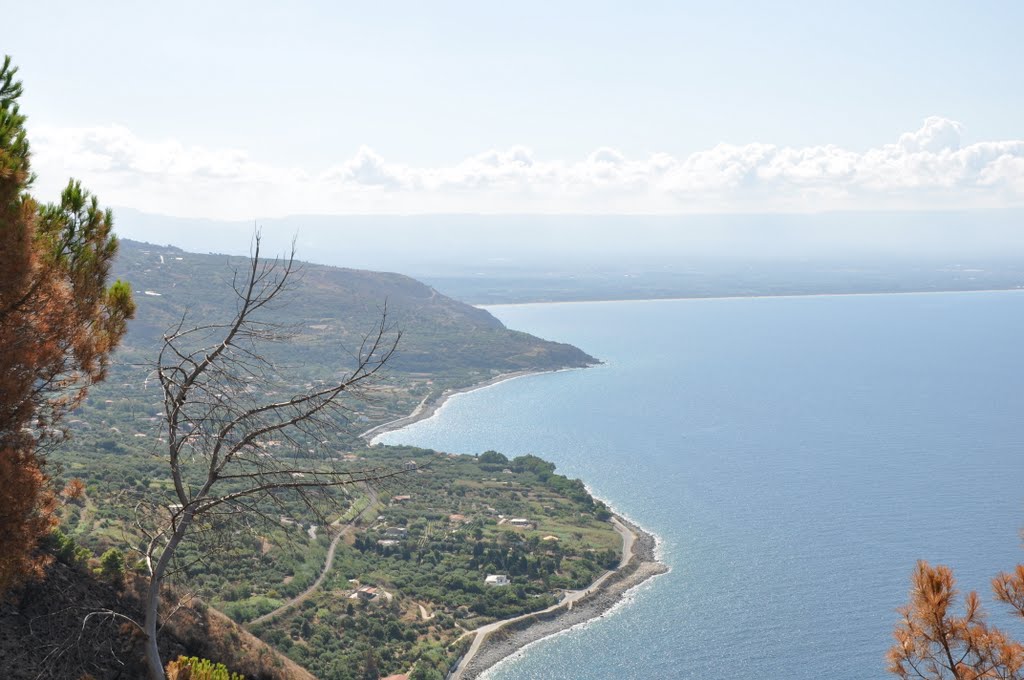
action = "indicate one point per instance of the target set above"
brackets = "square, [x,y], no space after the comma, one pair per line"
[429,406]
[752,296]
[503,639]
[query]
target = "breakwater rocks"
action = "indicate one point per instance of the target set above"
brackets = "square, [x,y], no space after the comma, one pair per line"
[515,635]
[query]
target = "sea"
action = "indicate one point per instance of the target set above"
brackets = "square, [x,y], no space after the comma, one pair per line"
[795,456]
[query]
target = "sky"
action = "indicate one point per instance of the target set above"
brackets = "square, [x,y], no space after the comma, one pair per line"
[248,110]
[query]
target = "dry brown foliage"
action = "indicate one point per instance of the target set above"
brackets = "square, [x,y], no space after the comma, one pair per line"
[74,490]
[59,321]
[934,642]
[26,514]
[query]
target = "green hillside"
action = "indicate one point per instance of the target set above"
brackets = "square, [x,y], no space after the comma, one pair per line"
[331,305]
[450,521]
[445,344]
[117,445]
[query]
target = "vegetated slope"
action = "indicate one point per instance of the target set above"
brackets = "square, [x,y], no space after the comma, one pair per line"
[441,336]
[46,632]
[116,440]
[407,583]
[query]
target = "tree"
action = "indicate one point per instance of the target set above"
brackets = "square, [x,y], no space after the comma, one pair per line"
[112,564]
[934,643]
[370,671]
[236,443]
[59,323]
[425,671]
[492,458]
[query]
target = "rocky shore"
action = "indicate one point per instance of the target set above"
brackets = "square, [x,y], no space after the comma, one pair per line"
[513,636]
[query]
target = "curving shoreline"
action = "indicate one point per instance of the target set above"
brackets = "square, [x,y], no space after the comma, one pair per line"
[500,640]
[511,636]
[430,404]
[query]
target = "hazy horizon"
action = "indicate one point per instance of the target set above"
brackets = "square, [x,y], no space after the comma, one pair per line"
[445,243]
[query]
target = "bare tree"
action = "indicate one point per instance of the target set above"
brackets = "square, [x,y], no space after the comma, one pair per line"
[235,446]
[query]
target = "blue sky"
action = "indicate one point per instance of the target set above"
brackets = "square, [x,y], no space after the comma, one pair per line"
[235,109]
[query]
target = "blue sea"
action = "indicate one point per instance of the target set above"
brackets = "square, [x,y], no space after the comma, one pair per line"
[795,456]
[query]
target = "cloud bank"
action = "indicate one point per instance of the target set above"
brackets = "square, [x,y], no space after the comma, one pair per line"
[926,169]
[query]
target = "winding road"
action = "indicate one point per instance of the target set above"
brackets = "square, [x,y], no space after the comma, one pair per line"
[308,592]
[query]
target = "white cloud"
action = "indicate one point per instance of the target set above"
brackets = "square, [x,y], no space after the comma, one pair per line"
[936,135]
[368,169]
[926,168]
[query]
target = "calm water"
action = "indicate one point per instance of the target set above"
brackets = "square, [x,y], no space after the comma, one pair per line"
[795,455]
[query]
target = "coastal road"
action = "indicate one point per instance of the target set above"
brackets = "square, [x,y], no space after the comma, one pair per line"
[417,414]
[305,594]
[431,403]
[571,596]
[627,541]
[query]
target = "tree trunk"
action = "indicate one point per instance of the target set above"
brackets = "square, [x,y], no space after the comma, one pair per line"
[153,661]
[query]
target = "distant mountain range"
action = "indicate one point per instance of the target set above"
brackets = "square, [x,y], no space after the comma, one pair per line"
[488,259]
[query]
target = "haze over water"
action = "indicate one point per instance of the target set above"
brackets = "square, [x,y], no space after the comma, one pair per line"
[795,456]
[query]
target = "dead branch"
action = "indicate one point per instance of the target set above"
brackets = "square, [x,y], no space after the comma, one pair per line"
[231,450]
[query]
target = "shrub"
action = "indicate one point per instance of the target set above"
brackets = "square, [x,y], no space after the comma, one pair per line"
[112,564]
[194,668]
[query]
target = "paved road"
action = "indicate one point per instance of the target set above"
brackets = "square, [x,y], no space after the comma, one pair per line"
[627,541]
[305,595]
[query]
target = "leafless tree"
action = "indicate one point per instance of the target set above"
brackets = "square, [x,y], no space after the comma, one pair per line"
[234,445]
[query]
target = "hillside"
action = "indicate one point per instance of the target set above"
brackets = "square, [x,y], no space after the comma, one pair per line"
[45,632]
[408,579]
[409,582]
[445,344]
[116,448]
[442,337]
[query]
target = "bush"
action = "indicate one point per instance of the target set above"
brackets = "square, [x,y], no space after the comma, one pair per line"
[112,564]
[423,671]
[66,550]
[194,668]
[492,458]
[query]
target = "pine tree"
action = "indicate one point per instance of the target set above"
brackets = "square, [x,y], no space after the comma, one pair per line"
[59,322]
[933,642]
[112,564]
